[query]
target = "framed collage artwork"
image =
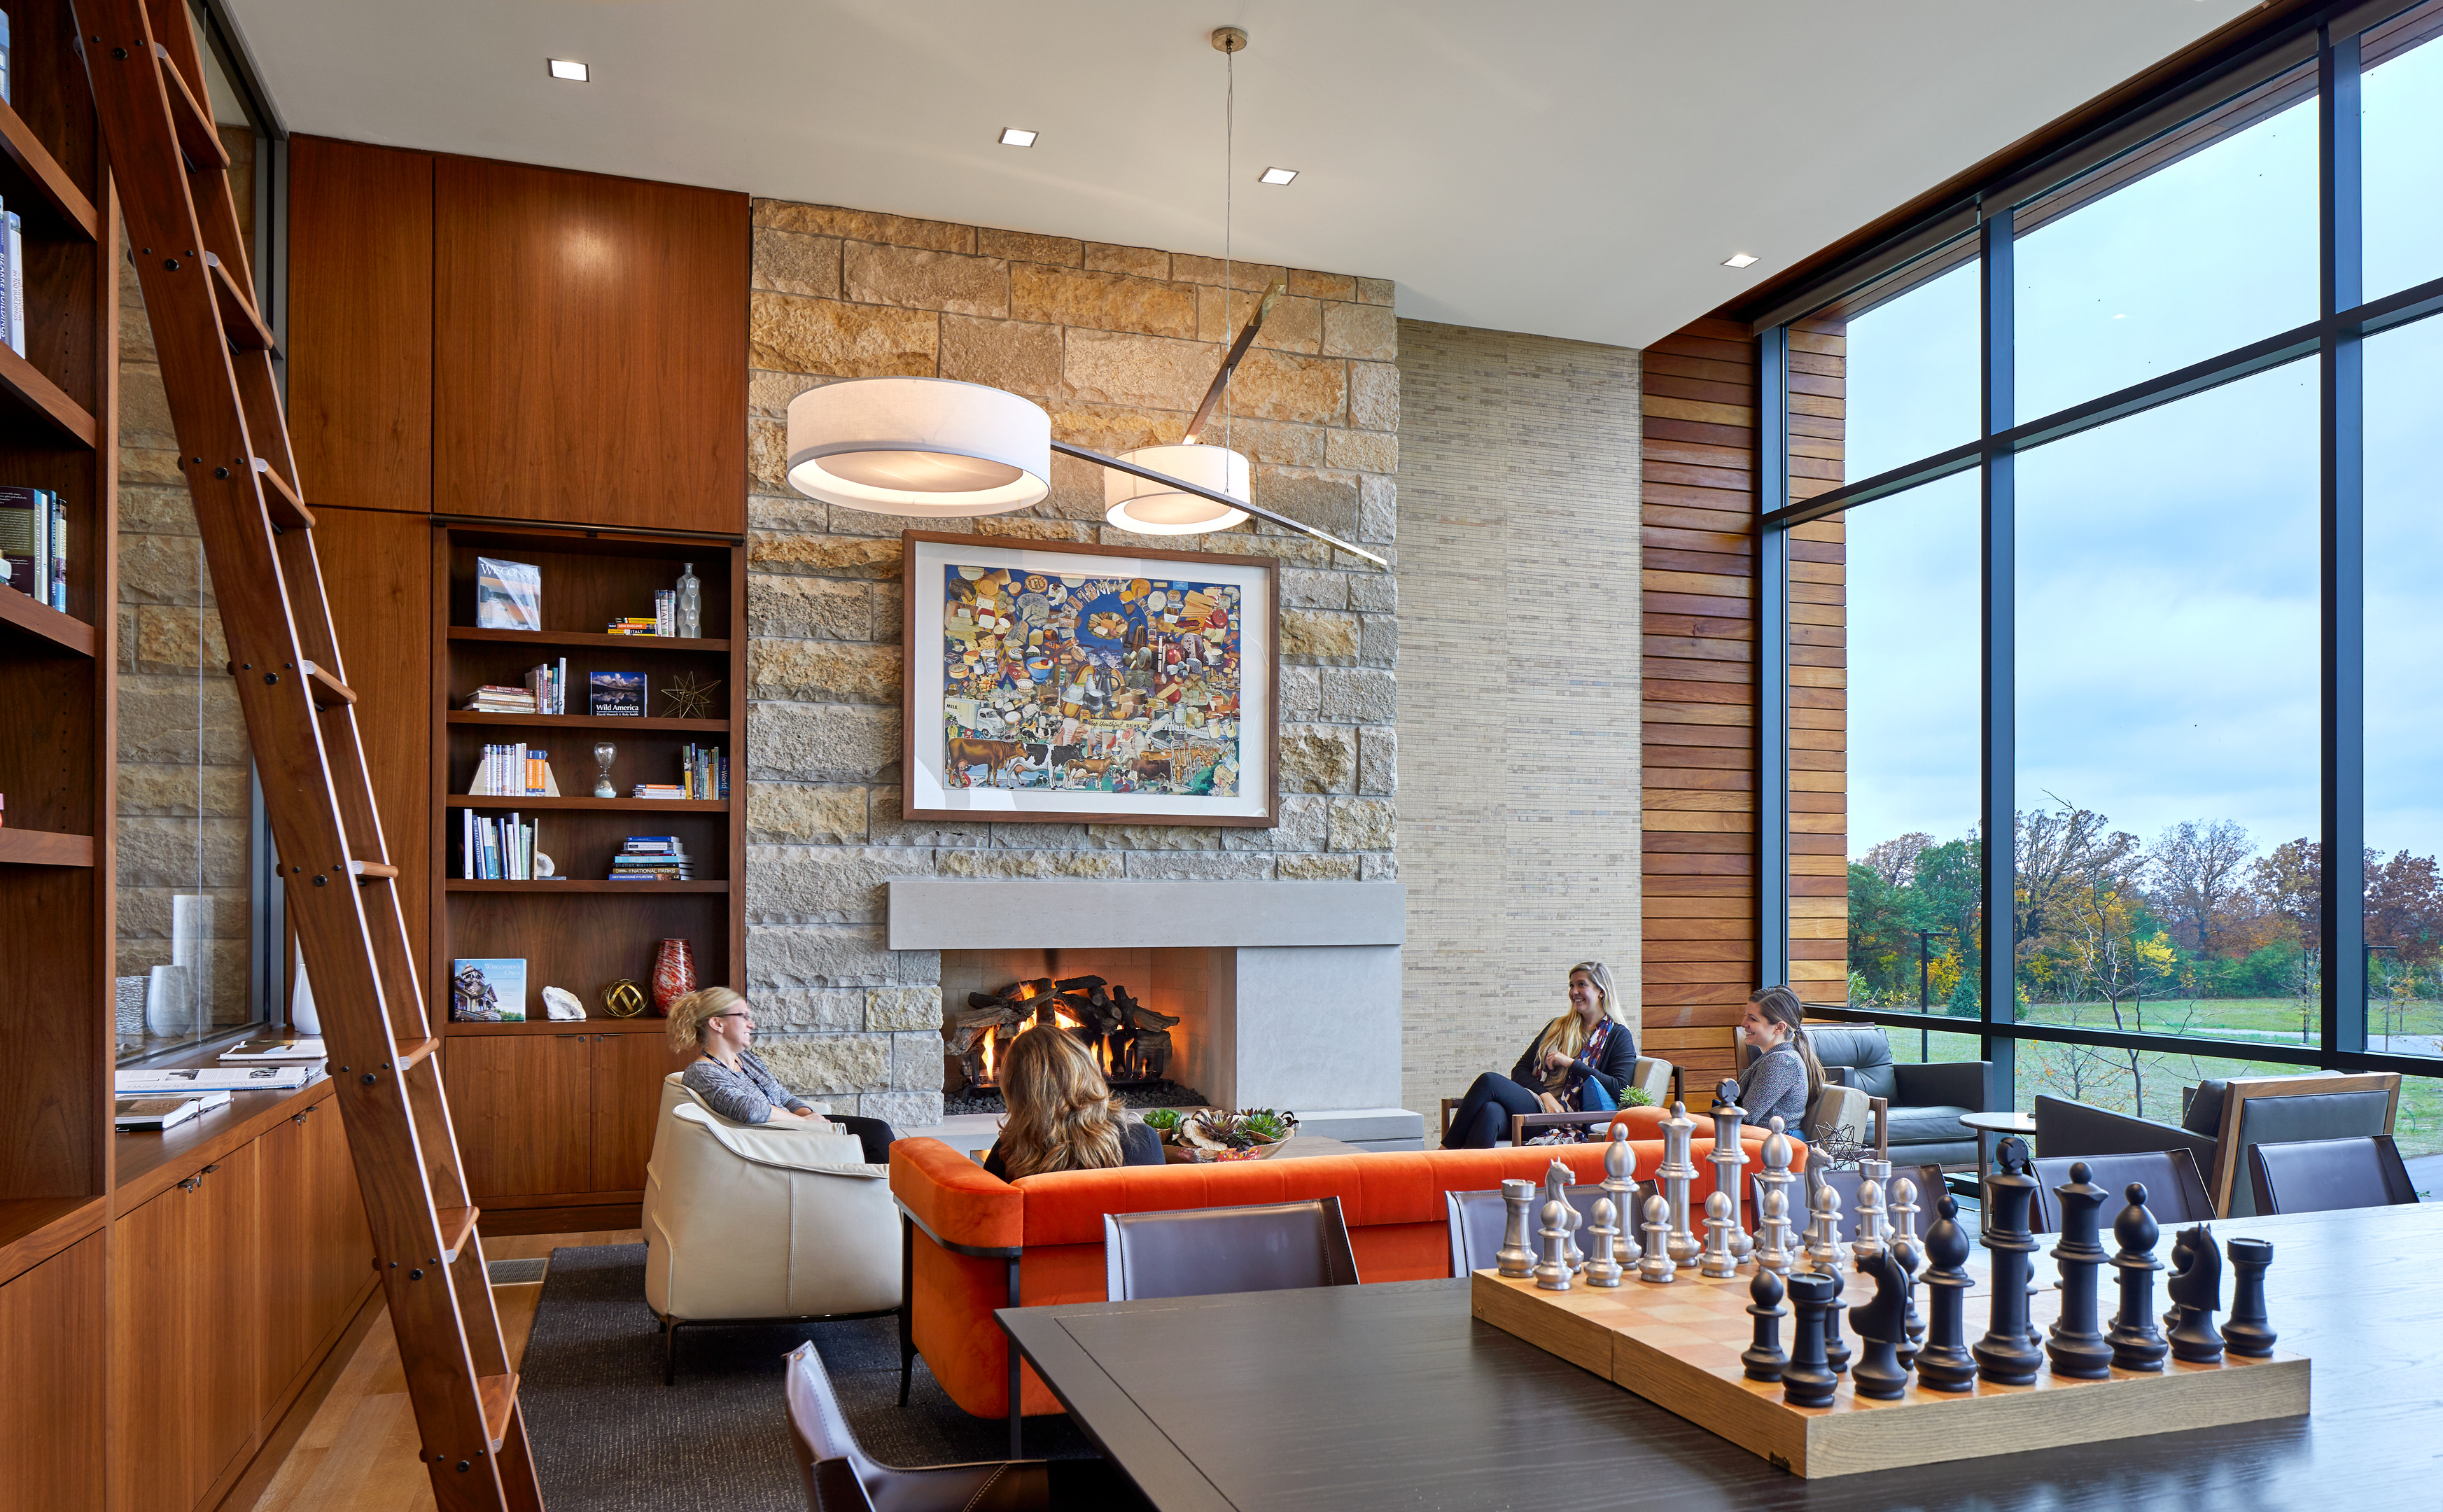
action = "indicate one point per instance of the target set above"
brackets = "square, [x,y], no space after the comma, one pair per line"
[1109,685]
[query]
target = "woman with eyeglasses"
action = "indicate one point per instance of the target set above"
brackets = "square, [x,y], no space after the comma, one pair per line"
[734,1082]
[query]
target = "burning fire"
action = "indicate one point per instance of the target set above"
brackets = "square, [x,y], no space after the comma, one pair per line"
[1061,1020]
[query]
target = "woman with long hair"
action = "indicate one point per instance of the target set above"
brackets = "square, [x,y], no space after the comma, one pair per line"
[1062,1116]
[733,1081]
[1784,1076]
[1578,1063]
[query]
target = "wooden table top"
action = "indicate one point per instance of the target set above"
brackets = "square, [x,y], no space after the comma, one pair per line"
[1393,1395]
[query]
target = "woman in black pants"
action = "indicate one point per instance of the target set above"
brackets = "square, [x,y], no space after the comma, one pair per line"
[1579,1064]
[734,1082]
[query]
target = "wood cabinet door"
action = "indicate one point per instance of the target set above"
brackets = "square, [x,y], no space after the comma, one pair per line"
[343,1243]
[589,348]
[291,1326]
[151,1355]
[225,1301]
[522,1105]
[50,1382]
[628,1072]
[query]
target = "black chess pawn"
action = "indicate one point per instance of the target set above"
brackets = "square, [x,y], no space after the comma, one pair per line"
[1764,1358]
[1911,1257]
[1882,1327]
[1943,1362]
[2076,1347]
[2250,1332]
[2136,1345]
[2196,1290]
[1806,1379]
[1836,1349]
[2005,1356]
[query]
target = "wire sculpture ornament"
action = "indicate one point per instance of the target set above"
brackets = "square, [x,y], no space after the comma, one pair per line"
[685,697]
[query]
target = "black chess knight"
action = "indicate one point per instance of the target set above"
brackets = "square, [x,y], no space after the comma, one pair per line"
[2195,1291]
[1882,1326]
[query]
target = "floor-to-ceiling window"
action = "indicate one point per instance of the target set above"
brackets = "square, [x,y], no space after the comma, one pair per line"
[2112,525]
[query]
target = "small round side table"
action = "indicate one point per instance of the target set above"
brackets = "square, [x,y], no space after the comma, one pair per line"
[2007,1121]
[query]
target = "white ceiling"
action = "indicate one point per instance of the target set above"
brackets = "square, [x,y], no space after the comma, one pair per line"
[1575,168]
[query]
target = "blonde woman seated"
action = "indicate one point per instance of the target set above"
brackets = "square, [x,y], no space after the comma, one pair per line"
[1579,1064]
[734,1082]
[1062,1116]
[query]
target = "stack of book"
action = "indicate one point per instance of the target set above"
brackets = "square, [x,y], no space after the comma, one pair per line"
[495,850]
[633,626]
[513,770]
[494,699]
[152,1114]
[34,545]
[659,790]
[651,858]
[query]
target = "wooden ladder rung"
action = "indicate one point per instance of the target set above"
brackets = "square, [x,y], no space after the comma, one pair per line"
[456,1223]
[197,138]
[411,1053]
[373,870]
[499,1395]
[243,326]
[329,692]
[287,511]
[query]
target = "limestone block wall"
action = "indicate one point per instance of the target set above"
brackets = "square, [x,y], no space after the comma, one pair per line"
[1119,343]
[1519,576]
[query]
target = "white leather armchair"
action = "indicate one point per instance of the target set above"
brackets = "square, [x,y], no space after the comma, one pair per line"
[745,1223]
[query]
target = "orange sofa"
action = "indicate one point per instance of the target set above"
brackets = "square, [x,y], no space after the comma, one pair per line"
[974,1243]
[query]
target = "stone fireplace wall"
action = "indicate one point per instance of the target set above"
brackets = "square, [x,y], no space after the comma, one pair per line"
[1119,345]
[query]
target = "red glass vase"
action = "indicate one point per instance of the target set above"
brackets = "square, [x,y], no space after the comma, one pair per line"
[674,975]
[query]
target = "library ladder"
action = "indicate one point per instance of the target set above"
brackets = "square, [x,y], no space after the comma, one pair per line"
[215,351]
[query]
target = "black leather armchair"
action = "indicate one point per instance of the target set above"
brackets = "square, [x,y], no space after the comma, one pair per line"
[2224,1118]
[1926,1100]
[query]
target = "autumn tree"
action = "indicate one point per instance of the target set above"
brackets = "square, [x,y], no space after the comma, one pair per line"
[2061,853]
[2199,870]
[1895,861]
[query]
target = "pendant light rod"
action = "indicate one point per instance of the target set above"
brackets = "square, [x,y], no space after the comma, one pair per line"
[1230,360]
[1086,454]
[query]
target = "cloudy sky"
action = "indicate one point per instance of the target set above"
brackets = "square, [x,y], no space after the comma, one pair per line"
[2167,570]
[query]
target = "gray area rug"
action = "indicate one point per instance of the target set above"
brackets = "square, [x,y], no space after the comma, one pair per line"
[608,1437]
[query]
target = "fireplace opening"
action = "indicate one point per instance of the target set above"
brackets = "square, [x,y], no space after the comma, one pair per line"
[1128,1039]
[1144,1014]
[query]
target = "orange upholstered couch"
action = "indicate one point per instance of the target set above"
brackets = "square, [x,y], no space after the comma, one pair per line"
[977,1242]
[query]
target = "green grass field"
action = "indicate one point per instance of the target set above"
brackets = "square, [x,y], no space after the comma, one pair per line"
[2104,1077]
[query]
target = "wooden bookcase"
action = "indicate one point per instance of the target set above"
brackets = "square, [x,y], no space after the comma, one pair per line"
[552,1115]
[58,430]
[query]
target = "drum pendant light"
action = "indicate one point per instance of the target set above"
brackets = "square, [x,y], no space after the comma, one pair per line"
[1152,510]
[1148,508]
[931,448]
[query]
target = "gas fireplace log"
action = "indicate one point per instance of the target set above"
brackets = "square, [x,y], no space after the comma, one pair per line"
[1078,984]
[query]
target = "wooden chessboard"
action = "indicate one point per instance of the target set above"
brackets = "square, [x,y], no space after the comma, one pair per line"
[1678,1346]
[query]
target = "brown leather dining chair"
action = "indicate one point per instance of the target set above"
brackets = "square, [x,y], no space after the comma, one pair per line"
[1208,1251]
[2326,1175]
[841,1477]
[2175,1192]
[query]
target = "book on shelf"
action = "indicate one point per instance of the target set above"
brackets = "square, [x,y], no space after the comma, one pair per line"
[259,1052]
[33,544]
[547,689]
[59,599]
[495,849]
[16,283]
[665,611]
[488,990]
[508,594]
[704,772]
[513,771]
[658,790]
[616,695]
[152,1114]
[216,1079]
[494,699]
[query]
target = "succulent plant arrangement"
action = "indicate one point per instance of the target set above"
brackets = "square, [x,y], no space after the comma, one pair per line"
[1221,1134]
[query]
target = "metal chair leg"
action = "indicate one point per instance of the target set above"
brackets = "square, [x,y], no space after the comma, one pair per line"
[906,1305]
[670,1351]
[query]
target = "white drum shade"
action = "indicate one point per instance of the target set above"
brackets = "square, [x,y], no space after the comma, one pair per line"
[1149,508]
[918,446]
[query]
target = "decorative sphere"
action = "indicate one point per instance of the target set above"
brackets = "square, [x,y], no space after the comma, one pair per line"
[623,1000]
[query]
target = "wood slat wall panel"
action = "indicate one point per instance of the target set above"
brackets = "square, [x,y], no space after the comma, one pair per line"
[1819,806]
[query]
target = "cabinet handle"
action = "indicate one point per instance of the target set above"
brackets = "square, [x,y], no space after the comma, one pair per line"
[191,1183]
[207,1171]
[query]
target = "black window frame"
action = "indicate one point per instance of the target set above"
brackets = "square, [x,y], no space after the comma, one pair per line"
[2329,38]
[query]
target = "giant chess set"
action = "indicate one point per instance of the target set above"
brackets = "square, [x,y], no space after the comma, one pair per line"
[1698,1326]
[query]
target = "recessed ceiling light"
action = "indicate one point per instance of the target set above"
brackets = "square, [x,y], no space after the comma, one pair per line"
[1017,136]
[568,69]
[1740,260]
[1277,175]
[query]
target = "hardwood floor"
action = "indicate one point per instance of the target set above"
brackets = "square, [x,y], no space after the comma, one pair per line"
[358,1453]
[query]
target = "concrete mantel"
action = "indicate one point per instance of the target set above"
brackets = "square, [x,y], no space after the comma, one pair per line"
[935,913]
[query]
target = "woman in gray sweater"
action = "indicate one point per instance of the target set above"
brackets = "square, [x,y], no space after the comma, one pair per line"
[734,1082]
[1784,1076]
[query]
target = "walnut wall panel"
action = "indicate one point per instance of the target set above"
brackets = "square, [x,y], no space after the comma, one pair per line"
[589,348]
[1699,705]
[377,575]
[1819,698]
[360,324]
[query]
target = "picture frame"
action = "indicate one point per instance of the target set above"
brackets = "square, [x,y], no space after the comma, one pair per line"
[1050,682]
